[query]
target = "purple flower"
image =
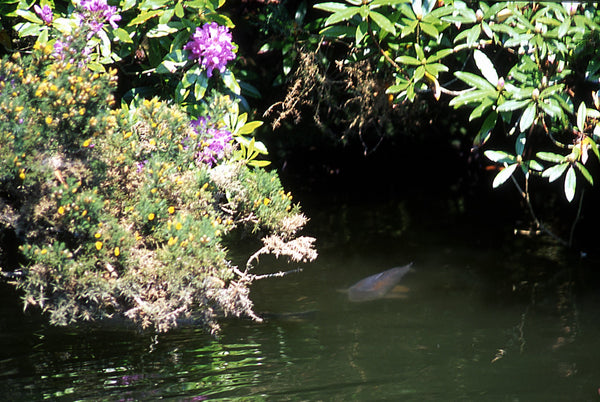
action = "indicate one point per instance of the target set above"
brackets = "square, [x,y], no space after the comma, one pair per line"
[45,13]
[213,144]
[97,12]
[211,46]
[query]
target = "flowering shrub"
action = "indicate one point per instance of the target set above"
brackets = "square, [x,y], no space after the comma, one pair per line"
[211,46]
[123,212]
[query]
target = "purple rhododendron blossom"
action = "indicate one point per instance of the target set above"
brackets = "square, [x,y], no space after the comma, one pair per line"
[45,13]
[213,142]
[211,46]
[97,13]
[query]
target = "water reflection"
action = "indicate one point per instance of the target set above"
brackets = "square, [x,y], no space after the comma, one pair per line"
[485,319]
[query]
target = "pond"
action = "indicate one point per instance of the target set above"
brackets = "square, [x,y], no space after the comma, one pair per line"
[484,316]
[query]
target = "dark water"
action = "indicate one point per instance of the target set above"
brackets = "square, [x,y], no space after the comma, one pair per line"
[486,317]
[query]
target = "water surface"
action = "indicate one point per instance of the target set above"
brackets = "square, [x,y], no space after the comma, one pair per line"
[487,317]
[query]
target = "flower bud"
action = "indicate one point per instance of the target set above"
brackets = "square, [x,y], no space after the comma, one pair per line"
[535,94]
[500,84]
[479,15]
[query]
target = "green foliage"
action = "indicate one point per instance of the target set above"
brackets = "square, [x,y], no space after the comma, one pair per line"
[124,212]
[526,59]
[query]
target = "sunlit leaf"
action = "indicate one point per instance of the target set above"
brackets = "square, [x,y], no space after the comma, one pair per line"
[439,55]
[122,35]
[550,157]
[486,67]
[535,165]
[382,22]
[528,117]
[585,173]
[499,156]
[581,116]
[504,175]
[430,30]
[570,184]
[511,105]
[249,127]
[474,80]
[342,15]
[408,60]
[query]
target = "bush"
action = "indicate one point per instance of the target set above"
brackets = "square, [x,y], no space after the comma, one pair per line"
[124,212]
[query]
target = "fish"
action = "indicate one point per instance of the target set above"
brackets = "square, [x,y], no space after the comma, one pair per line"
[378,285]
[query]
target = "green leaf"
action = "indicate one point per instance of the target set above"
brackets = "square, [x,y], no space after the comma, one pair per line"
[550,157]
[500,156]
[419,73]
[430,30]
[474,80]
[29,16]
[383,22]
[201,86]
[528,117]
[122,35]
[551,107]
[581,116]
[554,172]
[361,31]
[144,16]
[408,60]
[520,143]
[585,173]
[419,51]
[486,67]
[570,184]
[535,165]
[331,7]
[342,15]
[439,55]
[379,3]
[259,163]
[486,130]
[483,107]
[504,175]
[230,82]
[471,97]
[179,11]
[511,105]
[473,35]
[249,127]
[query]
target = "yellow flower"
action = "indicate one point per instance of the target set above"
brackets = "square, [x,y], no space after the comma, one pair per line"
[178,226]
[61,210]
[48,120]
[171,210]
[117,251]
[44,251]
[151,216]
[87,142]
[84,213]
[154,190]
[172,241]
[97,235]
[98,245]
[22,174]
[267,201]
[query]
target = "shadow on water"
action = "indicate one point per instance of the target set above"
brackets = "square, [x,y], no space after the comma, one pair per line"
[485,316]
